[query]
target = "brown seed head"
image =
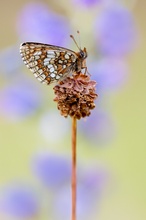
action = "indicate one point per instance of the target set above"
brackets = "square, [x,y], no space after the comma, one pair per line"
[75,96]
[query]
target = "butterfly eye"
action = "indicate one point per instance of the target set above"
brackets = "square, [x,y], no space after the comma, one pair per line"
[82,54]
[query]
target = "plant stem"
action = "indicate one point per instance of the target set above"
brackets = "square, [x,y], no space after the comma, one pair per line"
[74,179]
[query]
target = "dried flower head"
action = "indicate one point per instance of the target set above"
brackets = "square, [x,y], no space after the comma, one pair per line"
[75,96]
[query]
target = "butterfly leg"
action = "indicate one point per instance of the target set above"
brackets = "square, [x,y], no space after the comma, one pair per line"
[86,70]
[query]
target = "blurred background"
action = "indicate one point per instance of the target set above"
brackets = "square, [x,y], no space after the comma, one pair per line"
[35,140]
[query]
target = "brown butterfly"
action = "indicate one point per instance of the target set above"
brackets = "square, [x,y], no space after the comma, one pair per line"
[51,63]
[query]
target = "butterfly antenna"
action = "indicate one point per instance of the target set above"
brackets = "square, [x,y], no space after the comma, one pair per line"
[79,38]
[75,41]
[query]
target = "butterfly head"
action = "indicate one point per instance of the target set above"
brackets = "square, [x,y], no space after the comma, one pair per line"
[83,53]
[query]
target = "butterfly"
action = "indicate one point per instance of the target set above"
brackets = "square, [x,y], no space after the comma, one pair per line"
[50,63]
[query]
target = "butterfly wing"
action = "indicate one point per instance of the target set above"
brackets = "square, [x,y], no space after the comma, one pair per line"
[47,62]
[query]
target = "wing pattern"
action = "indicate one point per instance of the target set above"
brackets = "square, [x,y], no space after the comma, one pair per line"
[47,62]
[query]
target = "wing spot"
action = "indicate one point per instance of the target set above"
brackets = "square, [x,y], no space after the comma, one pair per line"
[26,62]
[35,74]
[57,53]
[32,47]
[57,77]
[52,75]
[37,57]
[64,66]
[50,66]
[26,52]
[50,56]
[55,67]
[38,53]
[60,61]
[46,63]
[43,76]
[50,52]
[35,69]
[32,58]
[33,64]
[52,70]
[51,61]
[66,56]
[47,60]
[40,71]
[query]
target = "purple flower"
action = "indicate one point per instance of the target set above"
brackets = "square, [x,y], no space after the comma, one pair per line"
[52,170]
[110,73]
[19,100]
[10,54]
[116,31]
[18,200]
[86,3]
[95,178]
[37,23]
[99,128]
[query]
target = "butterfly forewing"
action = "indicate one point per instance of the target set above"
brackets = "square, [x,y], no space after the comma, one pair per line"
[47,62]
